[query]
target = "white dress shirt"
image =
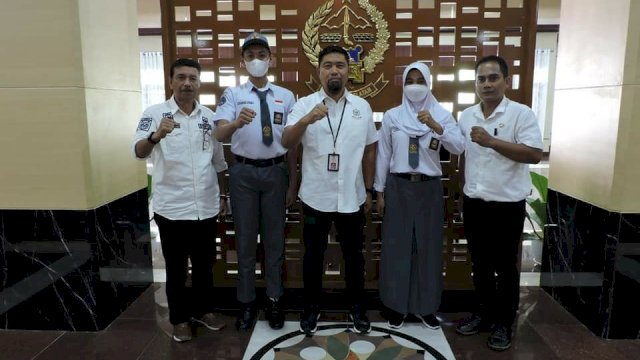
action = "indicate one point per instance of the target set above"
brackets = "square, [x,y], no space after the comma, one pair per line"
[393,148]
[343,190]
[185,163]
[247,141]
[489,175]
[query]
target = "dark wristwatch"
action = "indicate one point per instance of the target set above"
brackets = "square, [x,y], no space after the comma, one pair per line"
[151,140]
[370,191]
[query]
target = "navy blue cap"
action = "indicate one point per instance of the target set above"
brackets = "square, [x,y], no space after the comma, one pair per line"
[255,38]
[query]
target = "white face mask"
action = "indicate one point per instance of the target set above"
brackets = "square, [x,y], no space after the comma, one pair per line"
[257,67]
[416,92]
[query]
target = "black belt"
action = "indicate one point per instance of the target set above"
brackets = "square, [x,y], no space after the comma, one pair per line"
[260,162]
[415,177]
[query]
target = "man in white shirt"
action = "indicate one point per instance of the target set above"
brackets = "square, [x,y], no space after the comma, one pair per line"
[503,138]
[253,115]
[188,166]
[339,138]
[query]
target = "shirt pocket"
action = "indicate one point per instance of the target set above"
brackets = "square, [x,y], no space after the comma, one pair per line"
[176,143]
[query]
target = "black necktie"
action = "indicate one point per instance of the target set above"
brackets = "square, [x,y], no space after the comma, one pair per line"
[414,160]
[265,118]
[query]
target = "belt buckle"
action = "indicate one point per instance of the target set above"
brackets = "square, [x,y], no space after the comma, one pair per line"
[414,177]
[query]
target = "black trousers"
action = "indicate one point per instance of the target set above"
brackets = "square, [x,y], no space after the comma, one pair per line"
[182,240]
[494,231]
[349,232]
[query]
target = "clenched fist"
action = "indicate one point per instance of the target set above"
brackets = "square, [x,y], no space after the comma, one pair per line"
[425,117]
[245,117]
[166,126]
[480,136]
[318,112]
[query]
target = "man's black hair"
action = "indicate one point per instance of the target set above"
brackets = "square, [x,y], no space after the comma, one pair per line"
[332,49]
[504,68]
[185,62]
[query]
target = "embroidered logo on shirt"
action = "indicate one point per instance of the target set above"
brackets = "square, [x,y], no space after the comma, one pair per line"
[145,124]
[167,115]
[204,126]
[356,113]
[223,100]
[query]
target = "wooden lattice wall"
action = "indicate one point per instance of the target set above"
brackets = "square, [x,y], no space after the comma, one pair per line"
[383,37]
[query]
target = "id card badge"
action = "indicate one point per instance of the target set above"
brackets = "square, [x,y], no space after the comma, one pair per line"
[333,162]
[434,144]
[277,118]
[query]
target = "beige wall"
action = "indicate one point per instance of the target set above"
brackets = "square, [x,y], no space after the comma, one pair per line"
[594,152]
[548,12]
[72,94]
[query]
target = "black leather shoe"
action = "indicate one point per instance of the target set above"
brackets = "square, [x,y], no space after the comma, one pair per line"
[500,338]
[309,320]
[360,321]
[472,326]
[274,314]
[246,318]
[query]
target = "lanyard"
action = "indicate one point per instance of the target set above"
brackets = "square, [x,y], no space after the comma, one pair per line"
[335,137]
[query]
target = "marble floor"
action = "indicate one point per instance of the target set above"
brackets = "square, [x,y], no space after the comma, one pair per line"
[544,330]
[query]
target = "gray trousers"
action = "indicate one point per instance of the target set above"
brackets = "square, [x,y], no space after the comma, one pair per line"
[412,236]
[258,196]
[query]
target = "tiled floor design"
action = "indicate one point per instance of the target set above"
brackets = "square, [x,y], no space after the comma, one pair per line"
[381,340]
[544,331]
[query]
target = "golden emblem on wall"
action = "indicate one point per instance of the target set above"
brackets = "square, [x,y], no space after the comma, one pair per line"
[360,31]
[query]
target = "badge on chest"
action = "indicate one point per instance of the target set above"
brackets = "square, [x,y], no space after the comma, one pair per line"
[333,162]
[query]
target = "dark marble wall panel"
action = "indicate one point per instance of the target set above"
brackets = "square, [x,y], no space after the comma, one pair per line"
[73,270]
[591,265]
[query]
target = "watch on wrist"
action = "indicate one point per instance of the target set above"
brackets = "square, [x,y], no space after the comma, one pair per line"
[151,140]
[369,190]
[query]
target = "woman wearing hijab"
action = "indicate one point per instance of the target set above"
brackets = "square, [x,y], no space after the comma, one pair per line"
[410,198]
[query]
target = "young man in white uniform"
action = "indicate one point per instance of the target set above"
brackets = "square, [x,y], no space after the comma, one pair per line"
[253,115]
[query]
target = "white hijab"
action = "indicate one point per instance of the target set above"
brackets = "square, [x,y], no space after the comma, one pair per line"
[408,119]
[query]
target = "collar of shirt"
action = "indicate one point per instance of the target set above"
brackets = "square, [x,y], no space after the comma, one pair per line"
[323,96]
[501,108]
[173,105]
[248,86]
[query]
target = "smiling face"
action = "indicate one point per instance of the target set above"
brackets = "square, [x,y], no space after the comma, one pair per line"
[491,83]
[333,73]
[185,83]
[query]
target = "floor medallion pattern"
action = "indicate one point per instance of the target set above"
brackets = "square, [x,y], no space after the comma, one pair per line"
[336,341]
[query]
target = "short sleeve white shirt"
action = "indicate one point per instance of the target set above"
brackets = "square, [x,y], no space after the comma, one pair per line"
[343,190]
[489,175]
[247,141]
[185,163]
